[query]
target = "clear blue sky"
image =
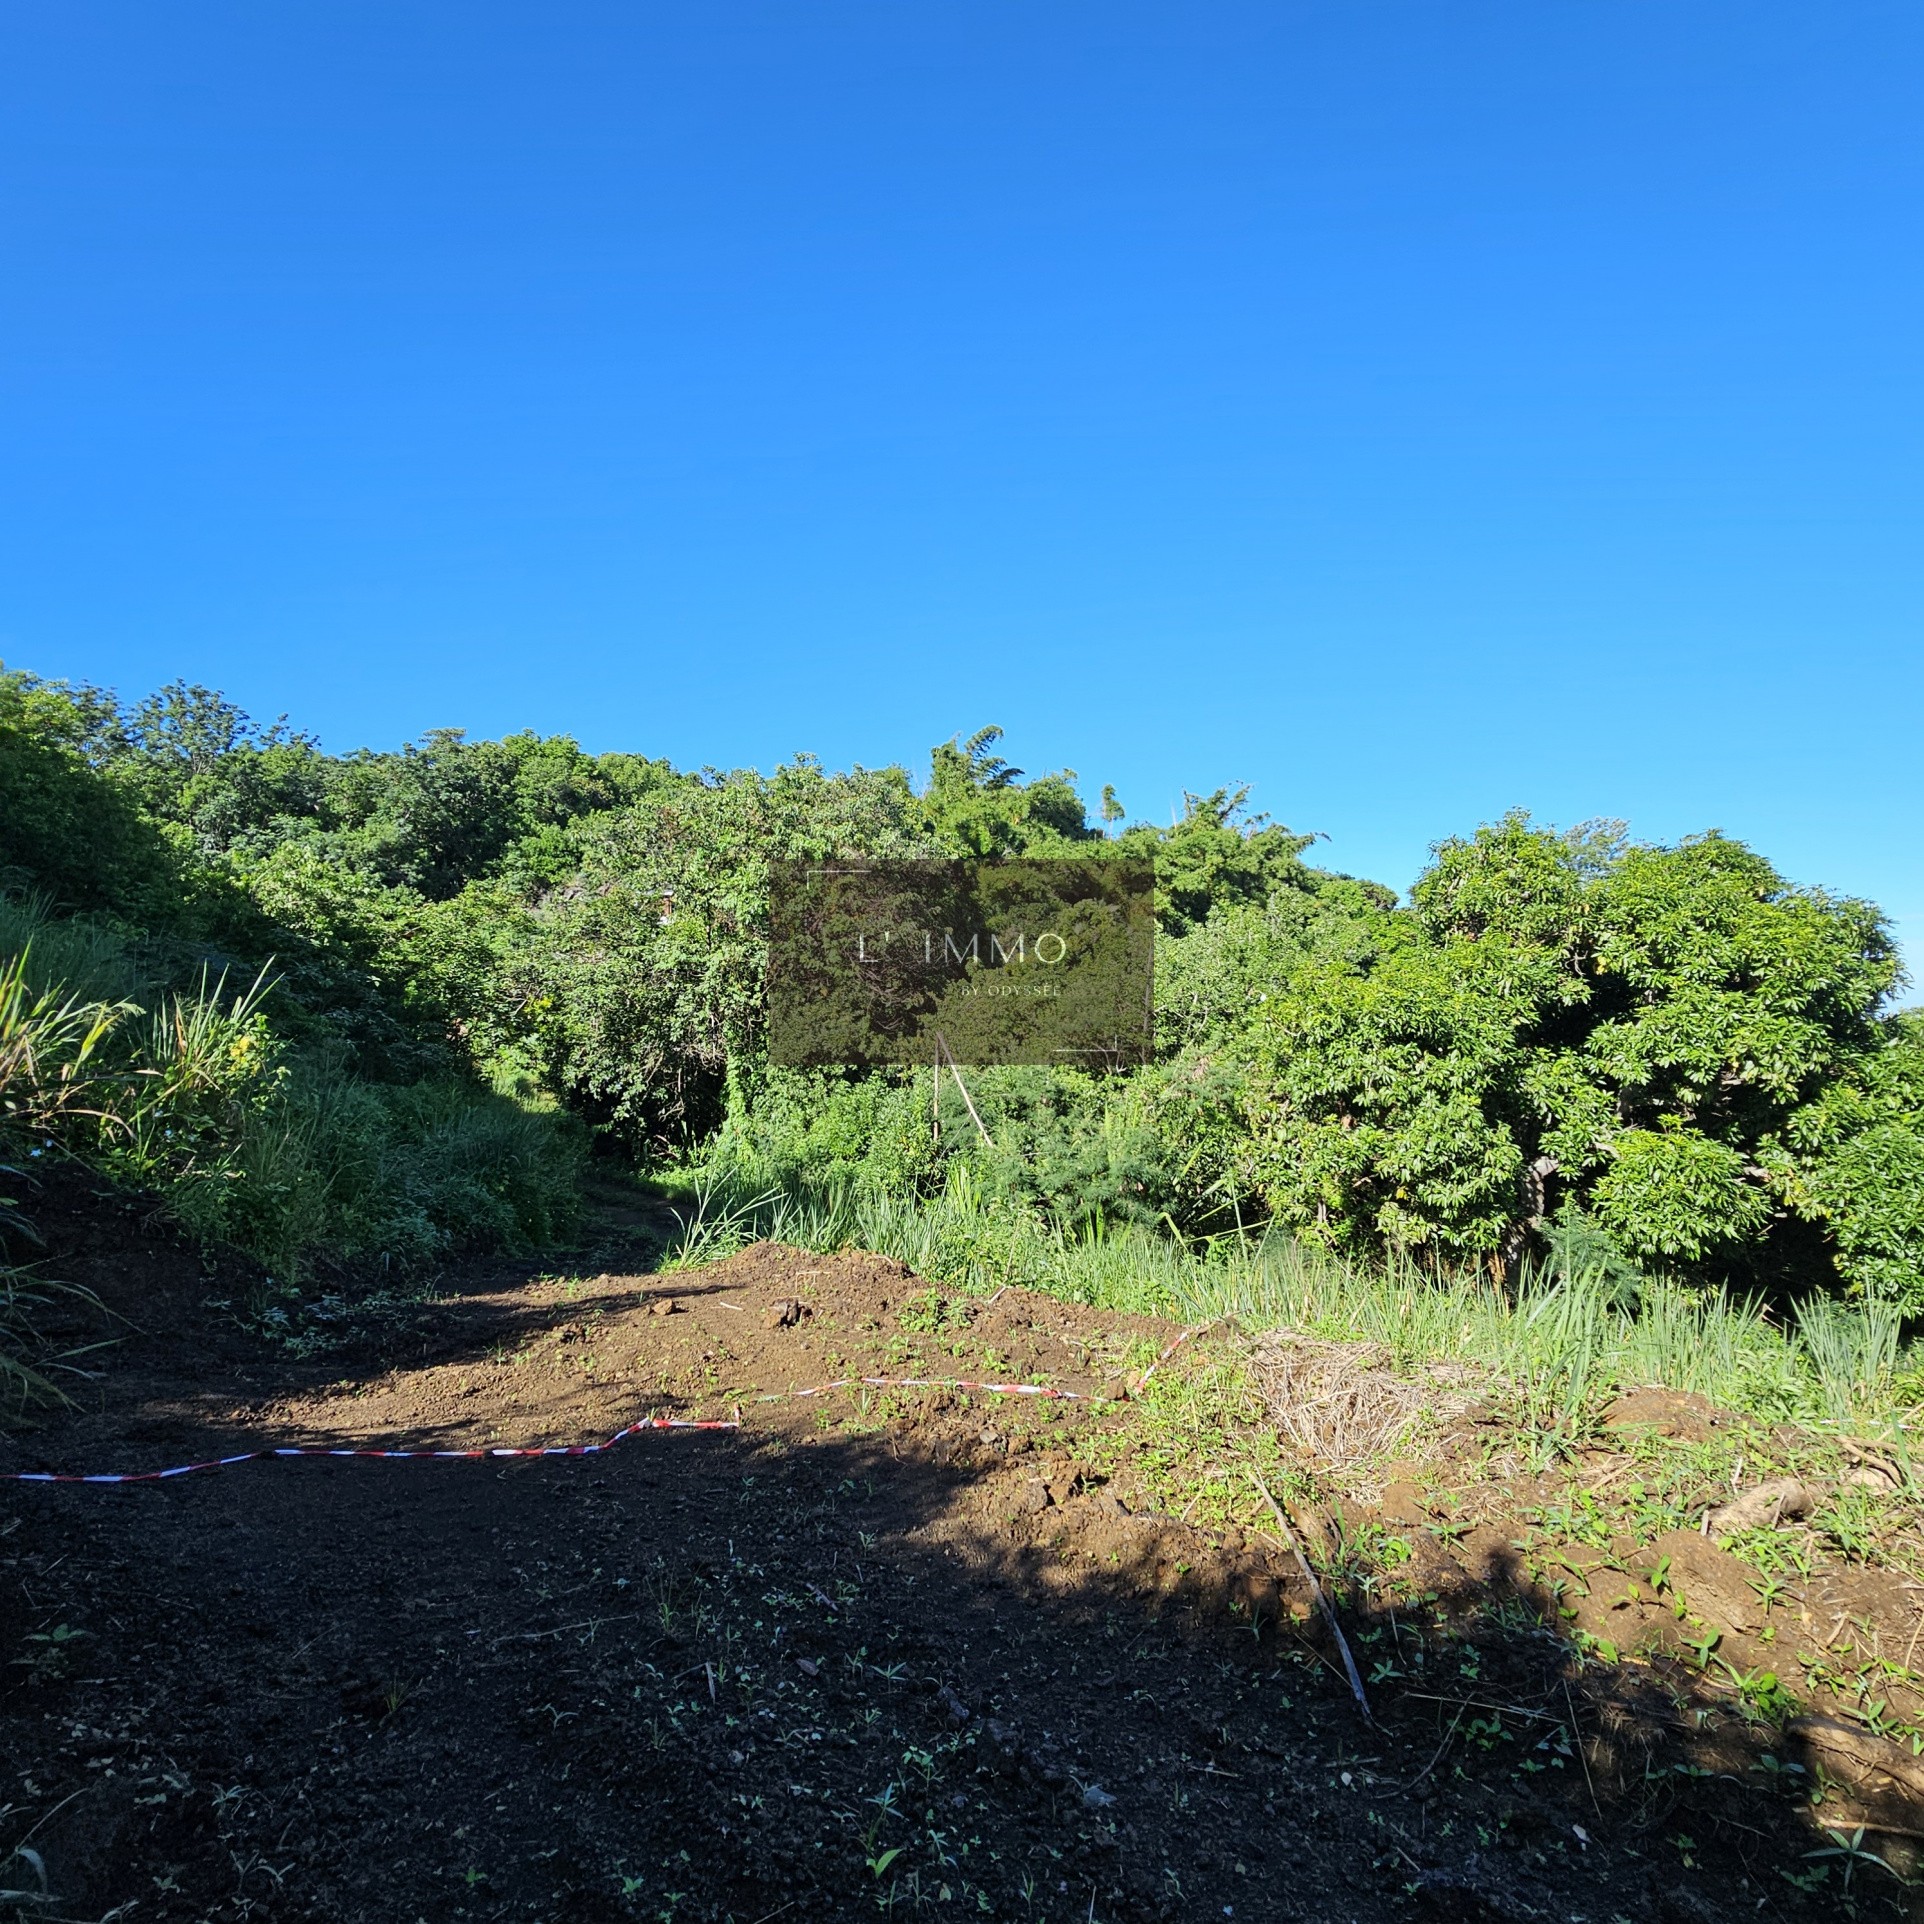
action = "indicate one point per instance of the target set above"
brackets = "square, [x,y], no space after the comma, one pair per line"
[1412,410]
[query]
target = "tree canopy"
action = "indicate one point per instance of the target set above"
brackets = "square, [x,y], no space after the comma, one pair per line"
[1692,1054]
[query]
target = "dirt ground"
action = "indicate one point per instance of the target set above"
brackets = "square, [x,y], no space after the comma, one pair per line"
[873,1651]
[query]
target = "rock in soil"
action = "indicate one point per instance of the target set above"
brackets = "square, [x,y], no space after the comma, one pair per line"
[1763,1505]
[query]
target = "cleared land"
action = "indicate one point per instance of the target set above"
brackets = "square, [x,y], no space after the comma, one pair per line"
[921,1649]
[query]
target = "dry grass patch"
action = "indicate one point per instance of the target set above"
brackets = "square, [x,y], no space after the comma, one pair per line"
[1346,1408]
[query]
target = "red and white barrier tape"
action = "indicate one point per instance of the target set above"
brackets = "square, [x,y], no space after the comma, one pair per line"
[926,1383]
[251,1456]
[1169,1350]
[553,1449]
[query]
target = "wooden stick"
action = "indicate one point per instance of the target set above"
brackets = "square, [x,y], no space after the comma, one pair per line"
[1403,1790]
[1577,1737]
[956,1072]
[1481,1703]
[1316,1590]
[1915,1634]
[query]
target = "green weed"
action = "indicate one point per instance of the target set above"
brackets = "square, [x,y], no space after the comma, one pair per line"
[1556,1345]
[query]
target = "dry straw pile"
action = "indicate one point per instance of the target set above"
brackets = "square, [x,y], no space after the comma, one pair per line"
[1343,1407]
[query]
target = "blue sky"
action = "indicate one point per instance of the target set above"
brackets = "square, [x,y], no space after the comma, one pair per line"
[1413,411]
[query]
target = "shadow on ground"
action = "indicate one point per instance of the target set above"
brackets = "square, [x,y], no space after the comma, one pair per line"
[798,1672]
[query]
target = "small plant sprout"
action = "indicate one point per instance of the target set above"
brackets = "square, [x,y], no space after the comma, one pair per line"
[1847,1851]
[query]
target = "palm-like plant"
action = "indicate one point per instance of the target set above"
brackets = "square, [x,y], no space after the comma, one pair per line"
[50,1047]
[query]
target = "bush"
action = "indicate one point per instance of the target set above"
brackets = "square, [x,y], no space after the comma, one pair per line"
[1660,1035]
[190,1093]
[1080,1148]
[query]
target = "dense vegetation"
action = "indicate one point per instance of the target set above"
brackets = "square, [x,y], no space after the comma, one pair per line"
[375,1008]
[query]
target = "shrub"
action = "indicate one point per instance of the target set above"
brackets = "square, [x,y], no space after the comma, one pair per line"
[189,1092]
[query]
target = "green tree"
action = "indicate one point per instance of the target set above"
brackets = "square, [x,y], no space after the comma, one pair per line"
[975,804]
[1218,856]
[64,830]
[1565,1019]
[638,981]
[1853,1160]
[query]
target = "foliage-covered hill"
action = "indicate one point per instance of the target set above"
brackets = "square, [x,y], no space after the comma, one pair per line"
[477,953]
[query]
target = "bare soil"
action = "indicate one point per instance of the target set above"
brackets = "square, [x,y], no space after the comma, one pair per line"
[875,1650]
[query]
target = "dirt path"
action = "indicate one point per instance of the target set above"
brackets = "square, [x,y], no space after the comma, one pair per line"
[873,1650]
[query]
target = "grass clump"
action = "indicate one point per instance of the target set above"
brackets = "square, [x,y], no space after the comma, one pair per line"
[185,1089]
[25,1300]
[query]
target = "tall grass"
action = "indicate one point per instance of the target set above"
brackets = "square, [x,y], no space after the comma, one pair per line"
[25,1302]
[50,1051]
[1572,1331]
[1856,1352]
[327,1165]
[87,959]
[184,1089]
[26,1299]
